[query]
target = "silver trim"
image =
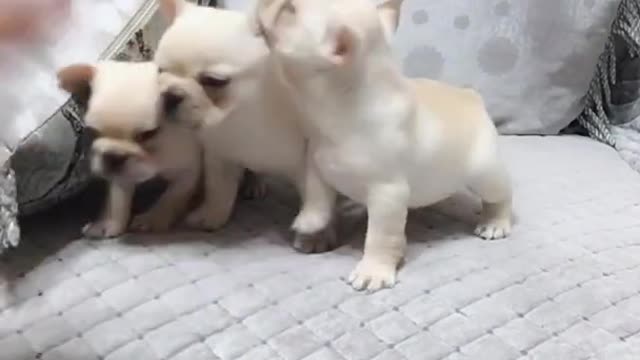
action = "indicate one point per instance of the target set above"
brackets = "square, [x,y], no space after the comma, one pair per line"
[138,20]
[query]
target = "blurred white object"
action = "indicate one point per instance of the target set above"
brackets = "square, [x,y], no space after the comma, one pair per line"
[30,20]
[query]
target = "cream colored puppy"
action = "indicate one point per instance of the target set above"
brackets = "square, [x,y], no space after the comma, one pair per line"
[386,141]
[130,141]
[217,75]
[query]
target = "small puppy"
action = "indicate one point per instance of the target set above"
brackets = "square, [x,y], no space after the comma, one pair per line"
[217,75]
[130,142]
[386,141]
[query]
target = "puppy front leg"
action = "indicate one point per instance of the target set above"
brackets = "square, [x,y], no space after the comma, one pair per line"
[221,182]
[385,240]
[115,216]
[314,229]
[170,206]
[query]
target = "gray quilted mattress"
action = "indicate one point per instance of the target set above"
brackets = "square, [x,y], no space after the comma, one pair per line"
[564,286]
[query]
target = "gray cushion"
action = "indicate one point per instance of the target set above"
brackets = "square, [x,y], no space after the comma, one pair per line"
[564,286]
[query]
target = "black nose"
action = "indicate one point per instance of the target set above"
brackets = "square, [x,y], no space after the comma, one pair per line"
[171,99]
[113,162]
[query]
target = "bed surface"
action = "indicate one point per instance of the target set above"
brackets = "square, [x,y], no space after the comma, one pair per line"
[564,286]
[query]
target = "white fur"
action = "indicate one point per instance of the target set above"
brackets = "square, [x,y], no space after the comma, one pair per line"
[125,102]
[250,123]
[388,142]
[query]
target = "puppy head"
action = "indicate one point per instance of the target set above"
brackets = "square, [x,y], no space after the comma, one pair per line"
[210,54]
[325,34]
[122,121]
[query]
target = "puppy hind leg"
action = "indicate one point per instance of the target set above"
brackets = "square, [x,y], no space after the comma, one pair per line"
[253,186]
[493,186]
[221,183]
[170,206]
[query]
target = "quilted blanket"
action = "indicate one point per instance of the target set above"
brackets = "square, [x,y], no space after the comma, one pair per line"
[564,286]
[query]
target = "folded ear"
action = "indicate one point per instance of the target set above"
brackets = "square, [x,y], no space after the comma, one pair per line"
[172,8]
[263,16]
[76,79]
[389,13]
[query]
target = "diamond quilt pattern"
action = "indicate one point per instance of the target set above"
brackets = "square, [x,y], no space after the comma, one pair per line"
[564,286]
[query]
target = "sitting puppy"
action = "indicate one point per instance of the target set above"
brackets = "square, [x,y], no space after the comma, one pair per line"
[217,75]
[131,142]
[386,141]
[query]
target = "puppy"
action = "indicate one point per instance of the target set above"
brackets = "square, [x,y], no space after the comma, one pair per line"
[386,141]
[217,76]
[130,142]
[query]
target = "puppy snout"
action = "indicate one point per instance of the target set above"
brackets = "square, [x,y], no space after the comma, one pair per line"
[114,162]
[171,99]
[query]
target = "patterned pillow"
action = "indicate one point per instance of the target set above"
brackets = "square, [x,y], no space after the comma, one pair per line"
[612,111]
[531,59]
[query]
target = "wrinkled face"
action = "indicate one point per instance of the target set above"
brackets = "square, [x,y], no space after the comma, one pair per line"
[122,124]
[210,62]
[121,153]
[303,33]
[321,35]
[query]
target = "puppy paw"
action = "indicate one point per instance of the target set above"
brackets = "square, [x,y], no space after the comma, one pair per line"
[372,275]
[151,221]
[318,242]
[204,219]
[310,222]
[103,229]
[494,229]
[253,188]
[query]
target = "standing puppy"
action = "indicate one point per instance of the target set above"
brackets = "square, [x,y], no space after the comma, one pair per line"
[386,141]
[218,76]
[131,142]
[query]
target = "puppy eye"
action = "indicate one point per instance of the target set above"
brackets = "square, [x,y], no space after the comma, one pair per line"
[213,81]
[145,136]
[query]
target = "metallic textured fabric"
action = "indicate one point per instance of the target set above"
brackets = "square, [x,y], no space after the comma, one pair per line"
[613,97]
[9,229]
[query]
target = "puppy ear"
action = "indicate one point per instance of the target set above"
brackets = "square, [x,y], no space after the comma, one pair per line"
[171,9]
[76,80]
[389,13]
[263,16]
[344,46]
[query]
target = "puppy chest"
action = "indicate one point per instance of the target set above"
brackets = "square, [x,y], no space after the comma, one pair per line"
[347,171]
[260,152]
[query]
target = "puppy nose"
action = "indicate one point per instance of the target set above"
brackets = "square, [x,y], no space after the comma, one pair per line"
[171,99]
[114,162]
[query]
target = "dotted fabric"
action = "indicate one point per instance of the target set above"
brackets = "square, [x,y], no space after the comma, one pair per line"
[532,60]
[564,286]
